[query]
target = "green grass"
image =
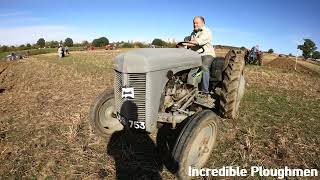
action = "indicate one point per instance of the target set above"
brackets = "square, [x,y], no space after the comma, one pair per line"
[82,62]
[33,52]
[275,128]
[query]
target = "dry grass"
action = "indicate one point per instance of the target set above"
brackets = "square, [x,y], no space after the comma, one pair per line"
[45,131]
[44,116]
[278,124]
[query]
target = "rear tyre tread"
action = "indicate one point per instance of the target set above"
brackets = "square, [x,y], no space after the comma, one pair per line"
[230,85]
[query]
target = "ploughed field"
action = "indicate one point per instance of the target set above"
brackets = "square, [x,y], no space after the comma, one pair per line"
[45,130]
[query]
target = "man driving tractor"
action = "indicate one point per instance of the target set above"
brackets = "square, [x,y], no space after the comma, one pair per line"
[200,41]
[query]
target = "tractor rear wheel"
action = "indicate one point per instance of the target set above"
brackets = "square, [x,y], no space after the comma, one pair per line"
[233,85]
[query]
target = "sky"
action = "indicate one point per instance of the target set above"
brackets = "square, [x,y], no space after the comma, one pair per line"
[277,24]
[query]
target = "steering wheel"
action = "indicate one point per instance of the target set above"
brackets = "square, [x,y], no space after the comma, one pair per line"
[184,44]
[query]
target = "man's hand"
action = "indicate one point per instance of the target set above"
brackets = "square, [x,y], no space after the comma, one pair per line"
[180,45]
[192,43]
[187,44]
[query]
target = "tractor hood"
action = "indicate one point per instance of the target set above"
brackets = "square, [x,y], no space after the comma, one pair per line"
[155,59]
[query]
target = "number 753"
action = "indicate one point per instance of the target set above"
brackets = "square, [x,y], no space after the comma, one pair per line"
[137,124]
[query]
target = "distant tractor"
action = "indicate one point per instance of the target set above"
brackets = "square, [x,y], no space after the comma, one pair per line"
[254,56]
[90,47]
[13,56]
[110,47]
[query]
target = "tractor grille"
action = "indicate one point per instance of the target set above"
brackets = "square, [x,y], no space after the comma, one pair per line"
[132,109]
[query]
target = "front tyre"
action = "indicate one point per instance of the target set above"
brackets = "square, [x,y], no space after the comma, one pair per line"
[195,142]
[101,115]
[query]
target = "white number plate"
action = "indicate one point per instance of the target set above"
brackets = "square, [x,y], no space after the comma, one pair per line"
[137,124]
[128,92]
[132,124]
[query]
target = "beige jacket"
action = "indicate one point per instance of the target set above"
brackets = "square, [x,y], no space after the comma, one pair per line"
[203,38]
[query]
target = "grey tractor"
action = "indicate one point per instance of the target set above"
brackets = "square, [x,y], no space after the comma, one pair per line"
[156,86]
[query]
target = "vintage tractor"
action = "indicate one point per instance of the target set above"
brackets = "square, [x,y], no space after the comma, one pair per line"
[253,57]
[110,47]
[155,86]
[13,56]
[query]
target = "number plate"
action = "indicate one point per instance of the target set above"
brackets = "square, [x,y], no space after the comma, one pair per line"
[130,123]
[128,92]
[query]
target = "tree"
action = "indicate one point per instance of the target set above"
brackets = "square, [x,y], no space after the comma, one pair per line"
[270,51]
[29,46]
[52,44]
[100,42]
[4,48]
[171,44]
[35,46]
[127,45]
[139,45]
[158,42]
[12,48]
[68,42]
[22,47]
[84,43]
[316,55]
[41,42]
[307,48]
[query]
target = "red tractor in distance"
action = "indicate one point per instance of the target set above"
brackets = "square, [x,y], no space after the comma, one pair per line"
[110,47]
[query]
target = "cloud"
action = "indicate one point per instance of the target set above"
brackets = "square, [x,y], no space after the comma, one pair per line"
[10,14]
[20,27]
[30,34]
[19,20]
[14,18]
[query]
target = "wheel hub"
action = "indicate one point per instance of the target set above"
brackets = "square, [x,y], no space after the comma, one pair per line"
[204,148]
[106,118]
[201,146]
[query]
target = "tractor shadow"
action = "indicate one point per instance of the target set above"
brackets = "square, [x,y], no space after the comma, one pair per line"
[137,156]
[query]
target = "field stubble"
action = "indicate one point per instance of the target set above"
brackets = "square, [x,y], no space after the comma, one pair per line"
[45,131]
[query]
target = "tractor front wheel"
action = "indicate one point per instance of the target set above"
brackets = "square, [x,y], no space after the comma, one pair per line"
[102,119]
[195,142]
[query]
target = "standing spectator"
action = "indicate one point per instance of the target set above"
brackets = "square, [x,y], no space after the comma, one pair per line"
[66,50]
[28,54]
[60,52]
[13,56]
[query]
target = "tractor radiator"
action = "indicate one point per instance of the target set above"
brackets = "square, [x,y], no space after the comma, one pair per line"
[131,109]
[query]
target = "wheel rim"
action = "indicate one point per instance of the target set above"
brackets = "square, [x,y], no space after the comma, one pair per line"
[105,119]
[201,146]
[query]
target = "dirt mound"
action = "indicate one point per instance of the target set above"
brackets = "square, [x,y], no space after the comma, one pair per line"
[288,65]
